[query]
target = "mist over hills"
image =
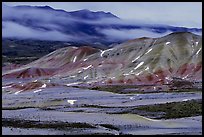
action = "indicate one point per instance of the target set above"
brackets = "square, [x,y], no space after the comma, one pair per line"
[83,26]
[93,73]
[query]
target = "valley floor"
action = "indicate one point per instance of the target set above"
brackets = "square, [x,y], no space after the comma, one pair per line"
[72,111]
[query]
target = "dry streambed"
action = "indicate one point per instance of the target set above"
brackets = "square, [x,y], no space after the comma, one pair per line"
[66,110]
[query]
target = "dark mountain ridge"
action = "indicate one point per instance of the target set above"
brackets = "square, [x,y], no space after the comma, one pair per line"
[83,26]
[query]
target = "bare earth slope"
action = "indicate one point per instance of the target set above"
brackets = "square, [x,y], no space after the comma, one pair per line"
[144,61]
[131,83]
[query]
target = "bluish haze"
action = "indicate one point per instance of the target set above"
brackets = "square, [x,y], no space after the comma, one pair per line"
[134,20]
[183,14]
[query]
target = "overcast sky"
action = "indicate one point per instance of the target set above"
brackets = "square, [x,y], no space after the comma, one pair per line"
[186,14]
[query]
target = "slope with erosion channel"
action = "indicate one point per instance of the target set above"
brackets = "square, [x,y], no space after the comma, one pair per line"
[146,61]
[37,98]
[51,62]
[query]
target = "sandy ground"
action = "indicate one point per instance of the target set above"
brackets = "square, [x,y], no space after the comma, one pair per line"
[73,105]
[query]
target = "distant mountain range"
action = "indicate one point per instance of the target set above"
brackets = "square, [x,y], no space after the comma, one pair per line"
[83,26]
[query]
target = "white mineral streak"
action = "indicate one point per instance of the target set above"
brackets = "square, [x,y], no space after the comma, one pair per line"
[185,77]
[6,87]
[86,76]
[132,98]
[85,59]
[18,92]
[138,73]
[92,81]
[75,47]
[147,68]
[198,51]
[148,51]
[74,60]
[103,51]
[140,64]
[37,90]
[71,101]
[136,59]
[185,99]
[168,43]
[44,86]
[100,66]
[88,67]
[75,83]
[79,71]
[149,119]
[168,78]
[154,42]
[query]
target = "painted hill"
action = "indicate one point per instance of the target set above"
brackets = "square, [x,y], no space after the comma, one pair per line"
[143,61]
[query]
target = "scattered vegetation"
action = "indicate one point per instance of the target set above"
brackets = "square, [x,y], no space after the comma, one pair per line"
[176,109]
[16,108]
[135,89]
[95,106]
[17,123]
[18,60]
[110,126]
[117,89]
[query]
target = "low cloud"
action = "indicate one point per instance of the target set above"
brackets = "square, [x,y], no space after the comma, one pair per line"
[115,34]
[14,30]
[42,24]
[57,25]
